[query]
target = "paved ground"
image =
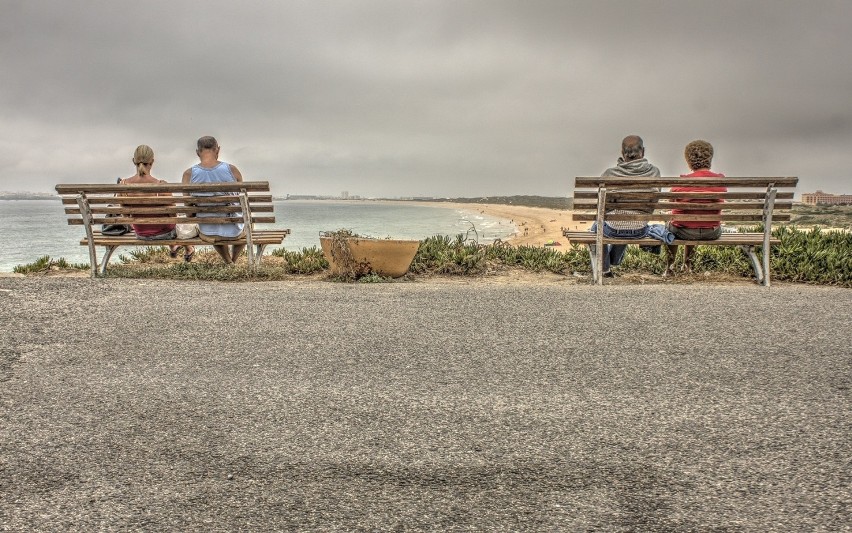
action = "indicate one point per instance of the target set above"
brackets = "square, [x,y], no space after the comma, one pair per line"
[423,406]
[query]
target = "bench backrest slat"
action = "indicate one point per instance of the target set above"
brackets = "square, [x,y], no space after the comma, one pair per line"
[167,210]
[101,188]
[142,200]
[753,182]
[168,220]
[727,206]
[730,195]
[593,195]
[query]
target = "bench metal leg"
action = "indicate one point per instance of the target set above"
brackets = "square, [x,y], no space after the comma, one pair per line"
[93,265]
[766,265]
[259,254]
[594,258]
[107,255]
[83,204]
[755,263]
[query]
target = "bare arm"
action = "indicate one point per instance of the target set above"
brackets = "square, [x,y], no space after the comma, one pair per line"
[164,193]
[187,176]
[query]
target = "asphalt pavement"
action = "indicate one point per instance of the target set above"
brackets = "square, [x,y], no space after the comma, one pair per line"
[438,406]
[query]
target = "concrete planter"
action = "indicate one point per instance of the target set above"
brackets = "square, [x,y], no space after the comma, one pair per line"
[386,257]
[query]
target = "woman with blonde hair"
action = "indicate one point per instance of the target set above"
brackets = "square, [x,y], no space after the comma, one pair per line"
[143,158]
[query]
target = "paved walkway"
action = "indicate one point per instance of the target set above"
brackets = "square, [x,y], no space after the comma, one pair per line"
[425,406]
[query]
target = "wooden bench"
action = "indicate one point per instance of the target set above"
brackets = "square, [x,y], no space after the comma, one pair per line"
[91,205]
[749,201]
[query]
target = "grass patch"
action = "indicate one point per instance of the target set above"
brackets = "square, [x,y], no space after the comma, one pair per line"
[806,256]
[813,256]
[446,255]
[45,264]
[305,261]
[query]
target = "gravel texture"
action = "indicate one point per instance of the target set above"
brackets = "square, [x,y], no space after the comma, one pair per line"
[444,406]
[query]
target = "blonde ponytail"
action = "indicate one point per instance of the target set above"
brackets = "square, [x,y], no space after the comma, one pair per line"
[142,157]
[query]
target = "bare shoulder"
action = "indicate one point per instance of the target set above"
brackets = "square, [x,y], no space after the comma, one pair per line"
[236,172]
[187,175]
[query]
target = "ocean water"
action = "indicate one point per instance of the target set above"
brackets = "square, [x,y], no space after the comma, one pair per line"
[30,229]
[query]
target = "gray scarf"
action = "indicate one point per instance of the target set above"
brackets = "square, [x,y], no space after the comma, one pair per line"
[638,168]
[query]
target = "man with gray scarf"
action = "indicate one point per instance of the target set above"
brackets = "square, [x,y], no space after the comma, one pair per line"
[631,164]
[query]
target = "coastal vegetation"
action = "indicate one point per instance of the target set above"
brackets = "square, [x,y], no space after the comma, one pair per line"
[828,216]
[45,264]
[808,256]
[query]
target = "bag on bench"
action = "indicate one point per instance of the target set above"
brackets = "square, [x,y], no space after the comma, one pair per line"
[114,229]
[186,231]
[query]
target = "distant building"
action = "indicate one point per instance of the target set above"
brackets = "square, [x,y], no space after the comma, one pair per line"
[824,198]
[344,195]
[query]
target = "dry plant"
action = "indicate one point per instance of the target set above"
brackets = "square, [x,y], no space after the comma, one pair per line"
[341,254]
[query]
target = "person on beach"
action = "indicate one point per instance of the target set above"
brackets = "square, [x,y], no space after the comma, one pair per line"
[143,158]
[699,156]
[211,170]
[631,164]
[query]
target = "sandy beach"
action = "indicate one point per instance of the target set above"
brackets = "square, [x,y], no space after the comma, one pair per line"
[535,225]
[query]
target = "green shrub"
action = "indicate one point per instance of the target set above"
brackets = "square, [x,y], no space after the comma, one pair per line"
[45,263]
[813,256]
[808,256]
[147,254]
[444,255]
[306,261]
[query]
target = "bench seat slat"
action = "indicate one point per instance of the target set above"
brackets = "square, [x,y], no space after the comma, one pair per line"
[727,239]
[592,206]
[724,217]
[168,220]
[130,239]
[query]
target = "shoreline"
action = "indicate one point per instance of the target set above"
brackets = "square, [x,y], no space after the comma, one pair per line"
[534,226]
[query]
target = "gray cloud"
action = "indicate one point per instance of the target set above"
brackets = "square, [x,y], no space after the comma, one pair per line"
[423,97]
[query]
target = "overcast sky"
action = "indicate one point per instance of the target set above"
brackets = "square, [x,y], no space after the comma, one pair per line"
[432,98]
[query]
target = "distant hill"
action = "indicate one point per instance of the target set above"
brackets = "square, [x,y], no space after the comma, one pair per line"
[27,196]
[550,202]
[829,216]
